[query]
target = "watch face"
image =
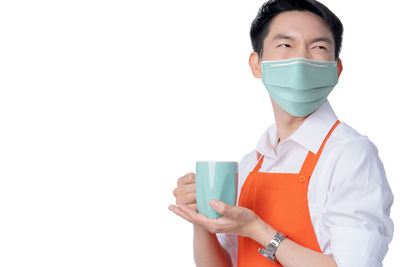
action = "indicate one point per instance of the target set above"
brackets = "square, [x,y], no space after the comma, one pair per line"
[275,242]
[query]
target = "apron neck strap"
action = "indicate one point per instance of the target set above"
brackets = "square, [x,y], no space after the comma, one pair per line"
[312,159]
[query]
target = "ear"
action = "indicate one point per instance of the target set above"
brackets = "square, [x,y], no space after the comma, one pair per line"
[339,67]
[255,66]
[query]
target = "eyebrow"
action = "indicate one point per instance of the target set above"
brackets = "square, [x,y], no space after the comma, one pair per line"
[287,37]
[321,39]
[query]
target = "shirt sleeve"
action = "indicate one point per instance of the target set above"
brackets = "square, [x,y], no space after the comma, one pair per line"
[230,244]
[357,211]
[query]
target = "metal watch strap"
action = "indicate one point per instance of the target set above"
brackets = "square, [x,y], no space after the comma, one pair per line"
[269,251]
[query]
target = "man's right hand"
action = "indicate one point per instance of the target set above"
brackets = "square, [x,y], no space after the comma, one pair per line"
[185,192]
[207,248]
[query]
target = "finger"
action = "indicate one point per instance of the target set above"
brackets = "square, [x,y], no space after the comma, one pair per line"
[209,224]
[185,189]
[222,208]
[185,193]
[187,179]
[186,199]
[179,212]
[193,207]
[189,188]
[196,217]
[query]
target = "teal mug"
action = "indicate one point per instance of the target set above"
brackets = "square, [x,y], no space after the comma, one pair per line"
[215,180]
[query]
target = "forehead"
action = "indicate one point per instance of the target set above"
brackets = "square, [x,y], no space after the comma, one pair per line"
[302,24]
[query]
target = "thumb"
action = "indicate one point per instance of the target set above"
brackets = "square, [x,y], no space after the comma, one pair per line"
[221,207]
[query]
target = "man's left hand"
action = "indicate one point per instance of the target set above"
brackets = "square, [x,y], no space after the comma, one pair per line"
[236,219]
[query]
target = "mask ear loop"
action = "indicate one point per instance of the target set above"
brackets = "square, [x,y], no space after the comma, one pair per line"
[260,55]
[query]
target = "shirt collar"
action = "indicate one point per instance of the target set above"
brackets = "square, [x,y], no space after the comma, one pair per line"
[310,134]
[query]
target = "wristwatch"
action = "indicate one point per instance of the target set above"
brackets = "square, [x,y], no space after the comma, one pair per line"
[269,251]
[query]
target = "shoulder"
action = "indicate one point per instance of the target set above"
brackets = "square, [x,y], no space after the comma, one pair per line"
[346,142]
[354,161]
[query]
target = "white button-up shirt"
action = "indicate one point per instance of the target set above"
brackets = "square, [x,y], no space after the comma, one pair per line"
[349,197]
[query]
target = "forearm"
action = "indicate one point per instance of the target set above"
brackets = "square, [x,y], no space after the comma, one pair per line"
[289,253]
[207,249]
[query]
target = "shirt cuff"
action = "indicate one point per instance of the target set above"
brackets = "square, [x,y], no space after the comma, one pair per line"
[348,259]
[356,247]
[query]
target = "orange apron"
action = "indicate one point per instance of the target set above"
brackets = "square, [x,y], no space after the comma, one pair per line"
[279,199]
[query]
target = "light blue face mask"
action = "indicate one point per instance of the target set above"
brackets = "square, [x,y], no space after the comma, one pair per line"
[299,85]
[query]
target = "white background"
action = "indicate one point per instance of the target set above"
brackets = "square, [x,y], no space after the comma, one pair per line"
[105,104]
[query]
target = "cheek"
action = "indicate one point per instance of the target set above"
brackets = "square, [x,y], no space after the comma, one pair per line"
[322,56]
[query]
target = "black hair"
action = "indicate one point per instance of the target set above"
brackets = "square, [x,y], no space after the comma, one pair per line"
[260,25]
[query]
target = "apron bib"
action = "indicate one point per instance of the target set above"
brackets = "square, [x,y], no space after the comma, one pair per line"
[279,199]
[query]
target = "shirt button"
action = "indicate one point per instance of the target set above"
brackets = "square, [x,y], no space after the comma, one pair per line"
[302,179]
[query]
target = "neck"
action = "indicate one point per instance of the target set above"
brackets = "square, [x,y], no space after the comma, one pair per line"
[286,123]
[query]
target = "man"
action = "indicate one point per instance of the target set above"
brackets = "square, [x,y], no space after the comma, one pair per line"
[314,191]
